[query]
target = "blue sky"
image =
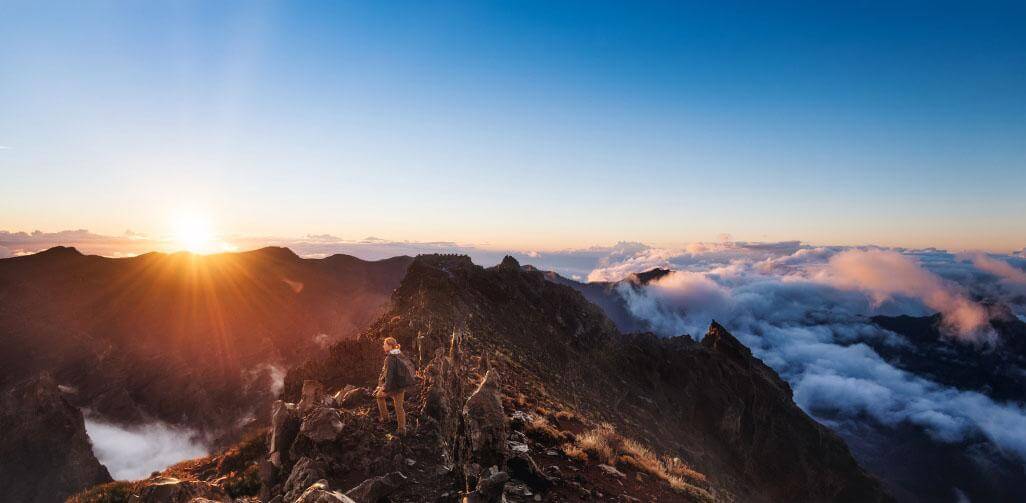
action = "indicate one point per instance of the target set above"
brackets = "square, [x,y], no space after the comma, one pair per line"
[535,125]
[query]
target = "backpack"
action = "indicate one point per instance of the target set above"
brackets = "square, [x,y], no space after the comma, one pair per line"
[406,373]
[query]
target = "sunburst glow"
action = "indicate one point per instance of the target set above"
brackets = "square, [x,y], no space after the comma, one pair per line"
[193,232]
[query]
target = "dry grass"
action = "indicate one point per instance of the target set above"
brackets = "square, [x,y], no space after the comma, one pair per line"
[565,416]
[598,443]
[540,430]
[521,400]
[604,445]
[574,452]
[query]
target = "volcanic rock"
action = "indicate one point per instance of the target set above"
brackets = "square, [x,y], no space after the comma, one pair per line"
[320,493]
[322,424]
[45,454]
[305,472]
[173,490]
[486,424]
[374,489]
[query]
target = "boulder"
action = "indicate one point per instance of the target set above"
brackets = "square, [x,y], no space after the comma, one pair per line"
[285,424]
[172,490]
[322,425]
[353,396]
[305,472]
[312,396]
[489,489]
[486,424]
[522,467]
[373,489]
[319,492]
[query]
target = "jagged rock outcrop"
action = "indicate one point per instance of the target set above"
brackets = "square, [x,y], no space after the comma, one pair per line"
[485,426]
[45,454]
[285,424]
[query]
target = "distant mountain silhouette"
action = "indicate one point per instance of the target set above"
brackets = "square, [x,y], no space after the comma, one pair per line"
[187,339]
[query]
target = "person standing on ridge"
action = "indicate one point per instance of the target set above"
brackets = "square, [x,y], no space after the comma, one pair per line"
[397,374]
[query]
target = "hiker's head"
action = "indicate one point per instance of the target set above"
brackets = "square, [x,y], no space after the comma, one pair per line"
[389,344]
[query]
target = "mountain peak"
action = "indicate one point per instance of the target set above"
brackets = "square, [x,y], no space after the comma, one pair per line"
[61,251]
[719,339]
[280,252]
[508,262]
[644,278]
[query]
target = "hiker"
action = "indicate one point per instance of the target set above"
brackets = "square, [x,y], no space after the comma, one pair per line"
[397,374]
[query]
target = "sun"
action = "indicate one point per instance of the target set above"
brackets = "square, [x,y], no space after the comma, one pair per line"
[193,232]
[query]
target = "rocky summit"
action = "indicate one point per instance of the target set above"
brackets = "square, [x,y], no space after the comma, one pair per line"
[527,392]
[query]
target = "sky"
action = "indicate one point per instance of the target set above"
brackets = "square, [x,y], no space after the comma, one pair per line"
[527,125]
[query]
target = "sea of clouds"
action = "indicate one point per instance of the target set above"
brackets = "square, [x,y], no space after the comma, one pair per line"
[805,312]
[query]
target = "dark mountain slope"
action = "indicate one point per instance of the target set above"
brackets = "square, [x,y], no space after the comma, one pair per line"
[712,404]
[919,467]
[183,338]
[995,370]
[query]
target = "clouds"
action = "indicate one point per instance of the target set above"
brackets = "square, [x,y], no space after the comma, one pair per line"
[667,301]
[134,452]
[884,274]
[805,312]
[1012,277]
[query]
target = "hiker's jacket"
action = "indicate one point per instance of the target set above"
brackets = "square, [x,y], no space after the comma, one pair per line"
[395,373]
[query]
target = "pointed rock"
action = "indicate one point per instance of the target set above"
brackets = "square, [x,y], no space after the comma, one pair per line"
[285,425]
[508,262]
[719,339]
[313,396]
[486,423]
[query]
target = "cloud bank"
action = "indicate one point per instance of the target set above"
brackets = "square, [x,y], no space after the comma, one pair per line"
[131,453]
[805,312]
[884,274]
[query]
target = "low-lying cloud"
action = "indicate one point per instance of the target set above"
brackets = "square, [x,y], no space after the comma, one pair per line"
[884,274]
[133,452]
[805,312]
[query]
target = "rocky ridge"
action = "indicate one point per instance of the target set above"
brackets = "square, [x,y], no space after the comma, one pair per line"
[528,392]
